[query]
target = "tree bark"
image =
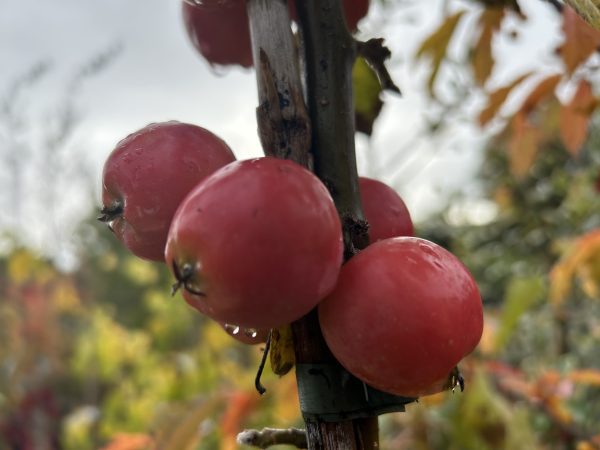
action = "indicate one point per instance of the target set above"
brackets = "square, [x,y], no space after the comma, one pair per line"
[321,139]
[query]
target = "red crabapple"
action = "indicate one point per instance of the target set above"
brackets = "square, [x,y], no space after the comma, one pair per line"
[385,210]
[404,312]
[219,31]
[148,174]
[257,244]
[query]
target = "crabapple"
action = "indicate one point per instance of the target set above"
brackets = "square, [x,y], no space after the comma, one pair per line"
[385,210]
[257,244]
[148,174]
[219,30]
[404,312]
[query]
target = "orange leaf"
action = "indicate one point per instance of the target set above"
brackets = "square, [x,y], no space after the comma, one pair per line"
[240,405]
[523,145]
[436,44]
[496,100]
[585,376]
[580,261]
[482,60]
[575,117]
[543,90]
[126,441]
[581,40]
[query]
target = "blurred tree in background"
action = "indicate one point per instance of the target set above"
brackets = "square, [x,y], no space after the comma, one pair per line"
[103,357]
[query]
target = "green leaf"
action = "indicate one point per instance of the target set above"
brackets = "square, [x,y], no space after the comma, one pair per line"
[367,103]
[522,294]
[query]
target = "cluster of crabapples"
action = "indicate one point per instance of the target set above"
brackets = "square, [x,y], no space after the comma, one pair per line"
[257,244]
[219,29]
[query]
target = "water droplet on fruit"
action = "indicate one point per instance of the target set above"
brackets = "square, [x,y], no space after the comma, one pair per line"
[251,332]
[236,330]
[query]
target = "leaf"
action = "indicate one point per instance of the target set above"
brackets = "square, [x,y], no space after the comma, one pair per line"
[436,45]
[125,441]
[523,145]
[589,10]
[282,355]
[543,90]
[575,118]
[497,98]
[581,40]
[366,88]
[522,294]
[581,261]
[585,376]
[482,60]
[239,406]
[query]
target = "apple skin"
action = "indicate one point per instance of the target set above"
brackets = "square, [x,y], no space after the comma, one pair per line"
[260,241]
[354,10]
[404,312]
[385,210]
[149,173]
[219,31]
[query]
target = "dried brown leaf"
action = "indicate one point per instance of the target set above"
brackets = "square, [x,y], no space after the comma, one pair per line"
[581,40]
[523,144]
[436,45]
[497,98]
[575,117]
[482,59]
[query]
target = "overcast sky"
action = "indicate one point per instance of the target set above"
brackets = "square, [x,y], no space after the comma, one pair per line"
[158,76]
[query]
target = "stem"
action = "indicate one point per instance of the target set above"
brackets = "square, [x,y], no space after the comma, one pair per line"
[268,437]
[111,212]
[329,56]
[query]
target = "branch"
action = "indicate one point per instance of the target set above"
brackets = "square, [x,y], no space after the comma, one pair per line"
[558,6]
[375,53]
[267,437]
[283,121]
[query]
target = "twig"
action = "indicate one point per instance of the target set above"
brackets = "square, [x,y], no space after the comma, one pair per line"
[272,436]
[557,5]
[257,384]
[375,54]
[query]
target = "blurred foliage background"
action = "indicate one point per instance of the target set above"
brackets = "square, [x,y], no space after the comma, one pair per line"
[101,356]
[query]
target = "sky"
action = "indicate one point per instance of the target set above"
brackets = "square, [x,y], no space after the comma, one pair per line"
[158,76]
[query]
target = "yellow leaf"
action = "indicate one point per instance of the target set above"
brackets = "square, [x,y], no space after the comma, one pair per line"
[366,90]
[482,60]
[575,117]
[282,350]
[436,45]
